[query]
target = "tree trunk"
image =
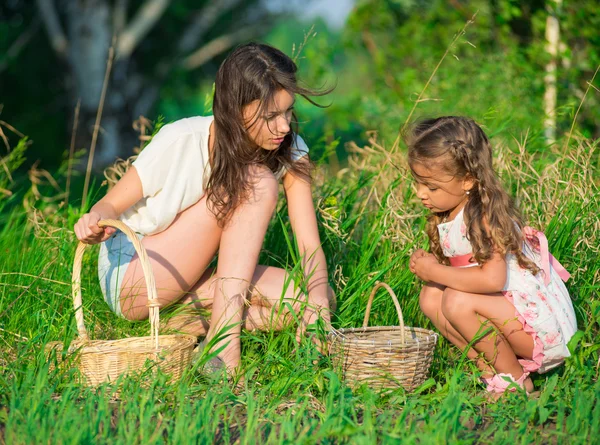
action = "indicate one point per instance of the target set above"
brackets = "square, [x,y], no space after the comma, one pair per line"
[553,38]
[91,28]
[90,32]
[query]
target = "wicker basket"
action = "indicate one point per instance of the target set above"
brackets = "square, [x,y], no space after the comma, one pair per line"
[383,357]
[105,360]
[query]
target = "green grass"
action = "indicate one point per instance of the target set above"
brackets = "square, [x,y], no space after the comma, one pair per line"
[291,394]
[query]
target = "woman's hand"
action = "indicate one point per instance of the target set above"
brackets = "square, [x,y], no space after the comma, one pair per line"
[88,231]
[316,320]
[315,324]
[122,196]
[425,266]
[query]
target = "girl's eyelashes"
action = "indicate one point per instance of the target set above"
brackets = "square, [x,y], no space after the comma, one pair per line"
[430,187]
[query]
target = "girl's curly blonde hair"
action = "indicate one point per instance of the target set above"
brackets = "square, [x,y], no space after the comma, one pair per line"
[459,147]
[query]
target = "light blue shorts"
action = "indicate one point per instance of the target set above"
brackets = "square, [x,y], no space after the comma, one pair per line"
[114,258]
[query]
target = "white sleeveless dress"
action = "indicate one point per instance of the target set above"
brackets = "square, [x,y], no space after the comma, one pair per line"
[545,310]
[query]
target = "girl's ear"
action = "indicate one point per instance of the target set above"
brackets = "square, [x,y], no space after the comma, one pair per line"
[468,183]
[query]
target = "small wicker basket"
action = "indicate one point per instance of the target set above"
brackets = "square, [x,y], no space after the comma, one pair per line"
[383,357]
[105,360]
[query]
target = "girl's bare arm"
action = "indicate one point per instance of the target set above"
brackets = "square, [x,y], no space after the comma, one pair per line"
[487,279]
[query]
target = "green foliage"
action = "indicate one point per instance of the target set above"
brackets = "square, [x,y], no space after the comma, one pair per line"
[40,89]
[8,166]
[382,59]
[11,162]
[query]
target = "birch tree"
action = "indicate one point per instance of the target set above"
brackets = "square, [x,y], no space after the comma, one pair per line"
[552,44]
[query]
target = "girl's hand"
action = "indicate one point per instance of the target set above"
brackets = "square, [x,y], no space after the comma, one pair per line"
[425,267]
[88,231]
[419,253]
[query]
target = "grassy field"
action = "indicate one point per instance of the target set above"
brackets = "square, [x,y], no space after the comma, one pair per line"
[291,394]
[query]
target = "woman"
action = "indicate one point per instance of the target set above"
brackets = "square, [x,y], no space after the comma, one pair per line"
[210,184]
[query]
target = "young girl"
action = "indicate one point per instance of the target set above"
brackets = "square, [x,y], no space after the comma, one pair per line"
[210,184]
[485,267]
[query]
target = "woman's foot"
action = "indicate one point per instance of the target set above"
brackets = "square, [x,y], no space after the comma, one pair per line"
[185,322]
[215,367]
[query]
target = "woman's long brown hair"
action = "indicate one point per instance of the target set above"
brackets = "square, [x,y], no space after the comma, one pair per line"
[460,148]
[251,72]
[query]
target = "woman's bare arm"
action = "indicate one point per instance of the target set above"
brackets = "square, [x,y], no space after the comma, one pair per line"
[303,219]
[123,195]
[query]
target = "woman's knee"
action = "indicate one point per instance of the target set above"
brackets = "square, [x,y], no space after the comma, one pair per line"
[264,186]
[297,301]
[134,313]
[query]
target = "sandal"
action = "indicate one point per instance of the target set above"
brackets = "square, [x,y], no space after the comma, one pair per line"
[213,365]
[500,383]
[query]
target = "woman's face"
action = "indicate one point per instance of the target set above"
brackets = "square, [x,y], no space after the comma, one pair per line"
[268,128]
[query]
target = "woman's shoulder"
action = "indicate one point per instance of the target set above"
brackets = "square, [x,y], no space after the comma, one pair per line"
[176,139]
[186,126]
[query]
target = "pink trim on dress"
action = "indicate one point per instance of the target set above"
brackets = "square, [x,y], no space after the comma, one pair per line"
[538,348]
[462,260]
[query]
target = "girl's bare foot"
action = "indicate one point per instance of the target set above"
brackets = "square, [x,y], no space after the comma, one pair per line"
[528,385]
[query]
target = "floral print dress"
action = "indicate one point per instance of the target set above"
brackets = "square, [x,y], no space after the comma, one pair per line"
[545,310]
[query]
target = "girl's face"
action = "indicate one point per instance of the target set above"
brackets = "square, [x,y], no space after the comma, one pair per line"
[269,128]
[439,191]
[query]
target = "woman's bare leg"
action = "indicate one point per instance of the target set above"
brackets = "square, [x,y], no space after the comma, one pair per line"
[272,298]
[179,256]
[241,241]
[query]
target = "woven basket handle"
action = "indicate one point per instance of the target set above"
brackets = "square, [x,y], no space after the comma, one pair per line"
[153,303]
[396,303]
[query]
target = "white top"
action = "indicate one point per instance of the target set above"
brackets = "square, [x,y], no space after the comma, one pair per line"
[453,238]
[174,169]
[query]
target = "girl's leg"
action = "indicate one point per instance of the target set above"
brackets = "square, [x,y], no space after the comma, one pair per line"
[430,301]
[469,314]
[241,241]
